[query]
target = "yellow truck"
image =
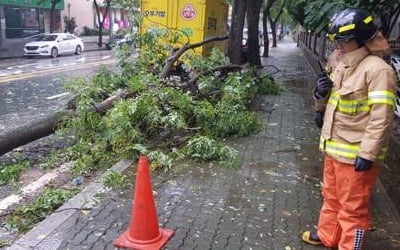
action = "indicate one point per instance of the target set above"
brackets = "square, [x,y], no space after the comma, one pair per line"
[198,19]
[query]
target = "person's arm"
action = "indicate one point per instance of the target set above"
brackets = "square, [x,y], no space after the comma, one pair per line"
[381,97]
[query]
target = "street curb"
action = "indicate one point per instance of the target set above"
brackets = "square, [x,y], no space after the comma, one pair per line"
[42,233]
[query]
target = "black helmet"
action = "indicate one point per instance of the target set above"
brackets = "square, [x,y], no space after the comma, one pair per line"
[352,23]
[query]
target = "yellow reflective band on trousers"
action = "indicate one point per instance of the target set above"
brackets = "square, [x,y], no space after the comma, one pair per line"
[348,106]
[345,150]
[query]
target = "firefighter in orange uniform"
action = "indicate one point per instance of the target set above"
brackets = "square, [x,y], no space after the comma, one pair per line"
[356,108]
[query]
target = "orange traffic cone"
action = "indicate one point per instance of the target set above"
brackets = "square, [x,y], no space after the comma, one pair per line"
[143,232]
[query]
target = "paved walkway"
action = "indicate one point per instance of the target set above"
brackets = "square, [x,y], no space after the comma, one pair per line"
[263,204]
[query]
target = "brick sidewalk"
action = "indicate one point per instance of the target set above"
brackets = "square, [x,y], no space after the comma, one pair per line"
[263,204]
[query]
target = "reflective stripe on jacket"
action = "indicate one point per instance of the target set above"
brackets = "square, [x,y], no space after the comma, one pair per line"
[359,110]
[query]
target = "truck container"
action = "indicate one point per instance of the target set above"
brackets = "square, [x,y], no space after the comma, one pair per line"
[198,19]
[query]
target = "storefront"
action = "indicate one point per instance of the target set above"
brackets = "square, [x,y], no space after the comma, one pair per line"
[24,18]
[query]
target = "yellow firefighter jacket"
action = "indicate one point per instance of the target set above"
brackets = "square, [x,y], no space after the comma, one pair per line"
[359,109]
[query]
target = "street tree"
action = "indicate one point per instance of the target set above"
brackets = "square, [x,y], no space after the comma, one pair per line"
[266,9]
[236,31]
[240,9]
[253,17]
[273,14]
[53,4]
[101,18]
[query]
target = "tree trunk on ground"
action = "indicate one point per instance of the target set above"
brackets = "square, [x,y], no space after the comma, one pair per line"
[236,31]
[31,132]
[46,126]
[253,17]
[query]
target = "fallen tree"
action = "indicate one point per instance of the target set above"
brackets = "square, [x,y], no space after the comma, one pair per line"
[140,110]
[46,126]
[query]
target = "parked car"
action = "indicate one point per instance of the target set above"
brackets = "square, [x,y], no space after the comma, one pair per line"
[54,44]
[395,62]
[118,40]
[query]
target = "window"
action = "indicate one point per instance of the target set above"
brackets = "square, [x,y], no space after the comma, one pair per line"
[22,21]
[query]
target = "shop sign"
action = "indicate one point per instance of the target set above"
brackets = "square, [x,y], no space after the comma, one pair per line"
[189,12]
[33,3]
[154,13]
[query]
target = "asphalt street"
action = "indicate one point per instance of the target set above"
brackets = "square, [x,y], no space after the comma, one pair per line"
[32,88]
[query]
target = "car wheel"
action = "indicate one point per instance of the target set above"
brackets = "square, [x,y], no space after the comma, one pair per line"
[78,50]
[54,52]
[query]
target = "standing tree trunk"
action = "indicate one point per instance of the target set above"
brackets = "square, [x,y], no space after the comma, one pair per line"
[273,23]
[253,17]
[265,26]
[52,14]
[101,22]
[236,31]
[389,21]
[273,30]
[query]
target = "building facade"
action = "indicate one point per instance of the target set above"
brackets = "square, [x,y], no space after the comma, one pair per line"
[21,19]
[85,15]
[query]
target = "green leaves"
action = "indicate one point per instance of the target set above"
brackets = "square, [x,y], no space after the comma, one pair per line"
[315,14]
[115,180]
[165,119]
[25,217]
[10,173]
[203,148]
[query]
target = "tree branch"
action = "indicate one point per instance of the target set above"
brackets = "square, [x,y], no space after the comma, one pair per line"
[216,69]
[178,53]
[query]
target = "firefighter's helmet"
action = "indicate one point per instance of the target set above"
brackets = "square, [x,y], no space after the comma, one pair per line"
[352,24]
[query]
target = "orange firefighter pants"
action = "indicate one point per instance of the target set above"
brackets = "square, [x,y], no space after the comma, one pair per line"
[345,216]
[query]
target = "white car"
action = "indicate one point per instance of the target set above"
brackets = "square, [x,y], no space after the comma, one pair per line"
[54,44]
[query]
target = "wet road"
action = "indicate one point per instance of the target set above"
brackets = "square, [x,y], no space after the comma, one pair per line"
[32,88]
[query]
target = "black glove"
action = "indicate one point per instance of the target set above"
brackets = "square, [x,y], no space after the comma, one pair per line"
[323,85]
[362,164]
[319,118]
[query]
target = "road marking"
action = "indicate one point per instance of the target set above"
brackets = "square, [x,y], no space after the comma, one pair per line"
[57,96]
[21,66]
[53,70]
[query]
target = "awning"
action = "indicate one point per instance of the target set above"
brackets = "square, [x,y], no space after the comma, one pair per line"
[45,4]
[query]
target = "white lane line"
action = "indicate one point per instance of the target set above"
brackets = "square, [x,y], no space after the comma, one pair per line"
[57,96]
[21,66]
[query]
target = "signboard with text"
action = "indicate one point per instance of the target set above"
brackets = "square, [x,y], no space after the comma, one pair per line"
[33,3]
